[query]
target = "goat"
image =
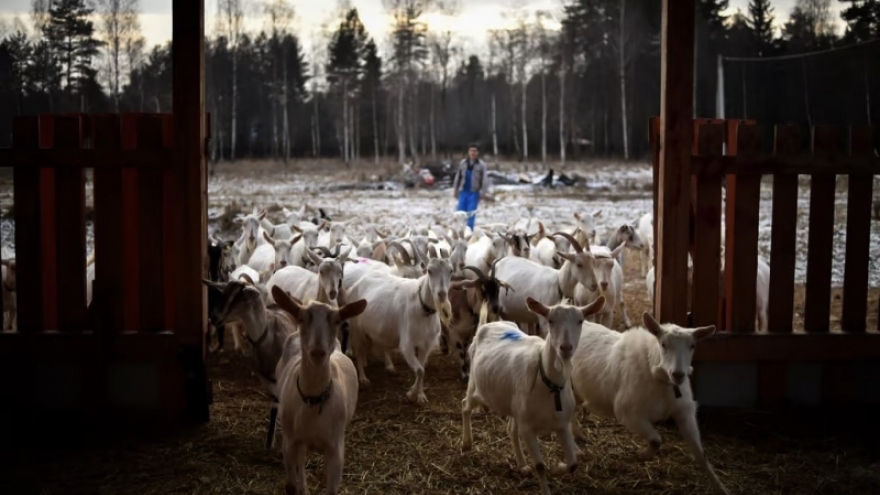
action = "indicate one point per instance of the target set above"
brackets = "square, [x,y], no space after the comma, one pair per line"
[403,314]
[609,274]
[318,390]
[544,283]
[483,251]
[251,235]
[585,229]
[263,258]
[624,235]
[640,377]
[265,329]
[645,228]
[519,243]
[283,249]
[506,364]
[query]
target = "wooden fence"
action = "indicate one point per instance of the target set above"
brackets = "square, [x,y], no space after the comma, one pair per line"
[736,151]
[123,351]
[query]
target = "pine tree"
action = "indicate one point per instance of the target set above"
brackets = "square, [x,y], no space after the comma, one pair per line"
[372,82]
[70,34]
[863,20]
[346,50]
[760,23]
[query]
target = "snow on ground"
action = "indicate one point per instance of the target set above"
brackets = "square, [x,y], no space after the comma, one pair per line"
[622,192]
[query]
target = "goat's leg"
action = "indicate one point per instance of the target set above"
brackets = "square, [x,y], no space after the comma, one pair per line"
[640,426]
[416,393]
[290,467]
[236,337]
[626,321]
[531,440]
[569,449]
[360,346]
[459,345]
[687,426]
[389,364]
[471,400]
[300,461]
[513,431]
[334,461]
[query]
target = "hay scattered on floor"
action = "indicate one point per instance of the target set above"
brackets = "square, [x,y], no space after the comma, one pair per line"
[394,447]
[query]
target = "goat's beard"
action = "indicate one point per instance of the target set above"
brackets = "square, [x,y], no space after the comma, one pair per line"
[444,310]
[567,369]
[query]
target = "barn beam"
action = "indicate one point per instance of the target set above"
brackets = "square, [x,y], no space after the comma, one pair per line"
[676,142]
[190,195]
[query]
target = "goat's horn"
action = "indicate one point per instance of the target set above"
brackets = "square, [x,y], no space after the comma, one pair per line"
[247,278]
[406,259]
[477,271]
[492,271]
[574,243]
[504,284]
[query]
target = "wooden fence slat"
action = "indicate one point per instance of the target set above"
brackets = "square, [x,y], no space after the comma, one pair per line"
[707,230]
[109,285]
[131,249]
[741,251]
[655,150]
[150,217]
[783,235]
[70,235]
[169,210]
[28,257]
[858,236]
[47,224]
[817,304]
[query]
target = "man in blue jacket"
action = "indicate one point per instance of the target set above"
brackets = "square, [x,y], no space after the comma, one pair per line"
[469,182]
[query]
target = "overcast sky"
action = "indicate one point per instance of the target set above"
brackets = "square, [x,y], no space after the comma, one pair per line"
[475,18]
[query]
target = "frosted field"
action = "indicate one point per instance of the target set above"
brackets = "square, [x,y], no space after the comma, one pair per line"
[621,191]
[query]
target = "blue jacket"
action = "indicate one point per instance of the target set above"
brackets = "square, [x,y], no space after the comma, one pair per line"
[478,178]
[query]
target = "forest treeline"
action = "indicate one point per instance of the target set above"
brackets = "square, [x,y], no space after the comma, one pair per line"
[536,92]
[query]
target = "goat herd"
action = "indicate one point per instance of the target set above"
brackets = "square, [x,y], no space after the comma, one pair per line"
[528,312]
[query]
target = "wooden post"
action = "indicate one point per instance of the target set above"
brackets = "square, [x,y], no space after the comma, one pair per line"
[858,236]
[676,141]
[190,229]
[27,196]
[707,229]
[783,236]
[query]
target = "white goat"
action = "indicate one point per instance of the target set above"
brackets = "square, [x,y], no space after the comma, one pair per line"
[318,390]
[506,365]
[306,285]
[543,283]
[645,229]
[263,259]
[609,274]
[483,252]
[403,314]
[283,249]
[585,228]
[640,377]
[251,235]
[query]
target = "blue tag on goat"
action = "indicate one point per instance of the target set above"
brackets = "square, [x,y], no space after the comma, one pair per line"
[511,335]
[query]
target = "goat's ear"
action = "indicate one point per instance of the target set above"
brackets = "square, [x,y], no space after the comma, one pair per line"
[577,215]
[617,250]
[536,307]
[296,228]
[701,333]
[313,256]
[567,256]
[262,215]
[238,220]
[352,309]
[423,267]
[295,238]
[287,302]
[463,284]
[594,307]
[268,238]
[597,213]
[651,325]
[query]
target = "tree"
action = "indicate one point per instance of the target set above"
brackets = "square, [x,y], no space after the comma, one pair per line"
[760,23]
[372,84]
[70,34]
[346,50]
[862,20]
[121,32]
[231,24]
[810,26]
[280,15]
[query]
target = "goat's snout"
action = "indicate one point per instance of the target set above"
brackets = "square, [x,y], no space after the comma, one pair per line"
[604,285]
[317,354]
[678,377]
[441,295]
[283,263]
[565,350]
[333,294]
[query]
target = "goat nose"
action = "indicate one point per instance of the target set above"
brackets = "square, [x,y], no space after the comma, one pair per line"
[283,263]
[678,376]
[441,295]
[318,354]
[604,285]
[333,294]
[565,348]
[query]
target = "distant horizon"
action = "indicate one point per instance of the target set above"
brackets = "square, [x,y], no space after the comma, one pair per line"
[471,25]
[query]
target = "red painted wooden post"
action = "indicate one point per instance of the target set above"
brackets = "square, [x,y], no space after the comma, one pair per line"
[151,238]
[783,237]
[130,226]
[655,150]
[109,287]
[707,231]
[741,253]
[858,235]
[47,226]
[817,306]
[70,234]
[28,256]
[168,211]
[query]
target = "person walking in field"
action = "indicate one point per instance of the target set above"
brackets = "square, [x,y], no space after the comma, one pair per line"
[469,183]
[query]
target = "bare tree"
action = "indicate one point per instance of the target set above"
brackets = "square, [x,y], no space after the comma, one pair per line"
[442,50]
[544,48]
[230,23]
[279,15]
[40,15]
[120,30]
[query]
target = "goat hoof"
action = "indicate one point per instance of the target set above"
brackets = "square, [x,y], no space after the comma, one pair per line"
[467,446]
[525,470]
[561,469]
[419,398]
[364,381]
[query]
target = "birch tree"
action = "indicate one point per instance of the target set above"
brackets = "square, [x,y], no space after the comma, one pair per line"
[231,25]
[120,30]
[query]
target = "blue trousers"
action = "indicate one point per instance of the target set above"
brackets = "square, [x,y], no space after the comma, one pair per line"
[467,201]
